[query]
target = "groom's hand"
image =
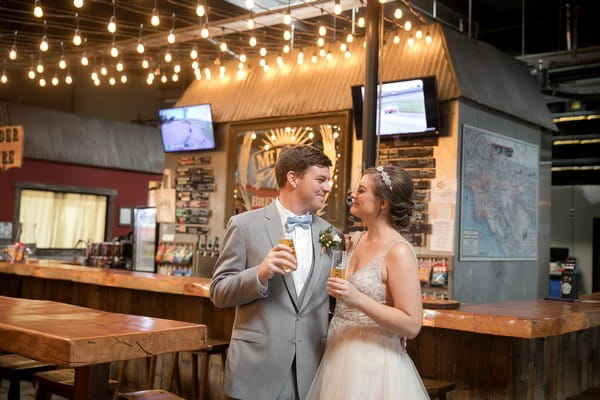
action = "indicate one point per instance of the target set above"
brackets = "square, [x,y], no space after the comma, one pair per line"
[280,260]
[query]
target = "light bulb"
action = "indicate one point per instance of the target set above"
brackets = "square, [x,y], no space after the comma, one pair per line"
[163,79]
[407,26]
[262,62]
[140,47]
[171,37]
[223,46]
[123,78]
[347,54]
[194,53]
[287,35]
[419,34]
[266,68]
[54,80]
[168,57]
[84,59]
[13,53]
[241,65]
[68,79]
[37,9]
[150,79]
[78,3]
[240,74]
[155,20]
[287,18]
[361,22]
[262,51]
[4,77]
[204,32]
[428,38]
[44,43]
[250,23]
[97,82]
[322,52]
[321,42]
[411,41]
[243,57]
[174,77]
[198,74]
[329,56]
[194,64]
[62,64]
[249,4]
[42,82]
[145,64]
[397,13]
[31,73]
[120,66]
[286,48]
[343,47]
[200,11]
[314,58]
[114,51]
[280,61]
[322,30]
[103,70]
[177,68]
[349,38]
[252,41]
[112,81]
[94,76]
[396,39]
[40,67]
[112,24]
[77,37]
[337,7]
[300,58]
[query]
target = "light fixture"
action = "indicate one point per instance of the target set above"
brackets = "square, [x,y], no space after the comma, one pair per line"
[84,59]
[204,32]
[4,77]
[97,82]
[123,78]
[280,61]
[322,52]
[322,30]
[343,47]
[103,70]
[55,80]
[249,4]
[300,58]
[349,38]
[44,43]
[240,74]
[77,34]
[428,38]
[112,24]
[252,41]
[68,78]
[321,42]
[287,17]
[314,58]
[38,12]
[347,54]
[200,10]
[250,23]
[328,56]
[140,44]
[177,68]
[286,48]
[94,75]
[62,64]
[168,56]
[194,52]
[243,57]
[114,52]
[163,79]
[411,41]
[31,73]
[155,19]
[207,73]
[12,54]
[223,46]
[396,39]
[171,36]
[198,74]
[78,3]
[361,22]
[262,62]
[407,26]
[119,67]
[42,82]
[262,51]
[337,7]
[419,34]
[287,35]
[145,63]
[174,77]
[40,67]
[112,81]
[195,64]
[398,13]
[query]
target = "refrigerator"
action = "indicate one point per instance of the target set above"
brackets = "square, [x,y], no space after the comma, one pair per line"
[145,238]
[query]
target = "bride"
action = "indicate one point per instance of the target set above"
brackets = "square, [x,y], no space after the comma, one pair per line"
[379,306]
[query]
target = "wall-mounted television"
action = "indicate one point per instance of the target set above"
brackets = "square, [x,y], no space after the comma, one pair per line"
[409,107]
[188,128]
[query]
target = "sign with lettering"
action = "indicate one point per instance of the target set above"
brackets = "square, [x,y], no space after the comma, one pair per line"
[11,146]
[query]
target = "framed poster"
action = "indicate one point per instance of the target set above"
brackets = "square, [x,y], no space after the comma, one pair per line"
[125,216]
[499,197]
[254,147]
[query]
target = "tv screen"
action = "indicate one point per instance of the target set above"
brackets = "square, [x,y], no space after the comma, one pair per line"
[408,108]
[187,128]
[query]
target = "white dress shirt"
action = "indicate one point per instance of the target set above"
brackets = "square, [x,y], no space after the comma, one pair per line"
[302,244]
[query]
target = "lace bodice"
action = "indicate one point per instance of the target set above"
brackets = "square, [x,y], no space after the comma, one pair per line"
[368,281]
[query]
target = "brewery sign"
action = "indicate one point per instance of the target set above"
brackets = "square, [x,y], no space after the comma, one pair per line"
[11,146]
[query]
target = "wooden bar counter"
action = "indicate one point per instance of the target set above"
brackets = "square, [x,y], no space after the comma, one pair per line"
[530,349]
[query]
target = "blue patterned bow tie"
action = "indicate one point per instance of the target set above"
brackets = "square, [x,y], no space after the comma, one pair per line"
[302,221]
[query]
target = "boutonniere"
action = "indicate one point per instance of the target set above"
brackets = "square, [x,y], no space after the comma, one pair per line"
[329,240]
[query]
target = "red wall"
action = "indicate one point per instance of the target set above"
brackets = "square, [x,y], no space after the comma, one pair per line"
[132,187]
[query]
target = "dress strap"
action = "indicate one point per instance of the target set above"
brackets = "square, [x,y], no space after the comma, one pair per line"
[389,247]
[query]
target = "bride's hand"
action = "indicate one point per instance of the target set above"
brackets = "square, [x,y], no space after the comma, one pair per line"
[343,290]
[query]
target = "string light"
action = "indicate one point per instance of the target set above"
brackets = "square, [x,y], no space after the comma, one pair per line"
[286,48]
[77,34]
[123,78]
[280,61]
[120,65]
[94,75]
[42,82]
[398,13]
[204,32]
[114,52]
[287,17]
[200,10]
[321,42]
[55,80]
[252,41]
[347,54]
[78,3]
[249,4]
[262,51]
[314,58]
[262,62]
[328,56]
[287,35]
[163,79]
[322,52]
[223,46]
[419,34]
[361,22]
[112,23]
[68,78]
[40,67]
[112,81]
[250,23]
[145,63]
[168,56]
[155,19]
[407,26]
[349,38]
[300,58]
[198,74]
[322,30]
[343,47]
[171,36]
[411,41]
[31,73]
[177,68]
[243,57]
[194,64]
[84,59]
[103,69]
[44,43]
[38,12]
[194,52]
[12,54]
[140,44]
[337,7]
[62,63]
[428,38]
[396,39]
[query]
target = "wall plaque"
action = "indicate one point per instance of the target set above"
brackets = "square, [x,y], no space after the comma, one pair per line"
[11,146]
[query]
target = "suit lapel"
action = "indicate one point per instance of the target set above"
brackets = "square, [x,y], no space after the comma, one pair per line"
[275,231]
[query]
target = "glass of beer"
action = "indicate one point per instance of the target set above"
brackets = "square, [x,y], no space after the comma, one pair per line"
[288,240]
[338,264]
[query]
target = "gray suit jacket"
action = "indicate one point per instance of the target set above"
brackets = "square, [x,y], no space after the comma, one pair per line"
[270,330]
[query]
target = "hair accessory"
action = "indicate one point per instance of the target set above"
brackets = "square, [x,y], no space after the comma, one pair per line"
[385,177]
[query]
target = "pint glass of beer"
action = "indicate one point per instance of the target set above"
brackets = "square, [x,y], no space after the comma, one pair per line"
[288,240]
[338,264]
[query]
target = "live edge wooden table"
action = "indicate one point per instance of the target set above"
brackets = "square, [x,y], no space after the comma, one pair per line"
[87,339]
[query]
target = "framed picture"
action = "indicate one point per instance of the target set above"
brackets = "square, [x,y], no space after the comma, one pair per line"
[254,147]
[125,216]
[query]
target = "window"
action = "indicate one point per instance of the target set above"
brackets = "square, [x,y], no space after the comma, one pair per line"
[57,217]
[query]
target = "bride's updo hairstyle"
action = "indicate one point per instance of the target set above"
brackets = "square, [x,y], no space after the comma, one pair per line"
[395,185]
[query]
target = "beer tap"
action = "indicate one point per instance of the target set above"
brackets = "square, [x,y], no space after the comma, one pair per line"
[215,252]
[203,246]
[209,247]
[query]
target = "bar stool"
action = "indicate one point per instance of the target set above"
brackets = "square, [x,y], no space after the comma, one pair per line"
[60,382]
[15,368]
[149,379]
[213,347]
[438,389]
[149,395]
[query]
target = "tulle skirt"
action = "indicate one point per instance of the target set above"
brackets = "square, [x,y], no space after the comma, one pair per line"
[365,362]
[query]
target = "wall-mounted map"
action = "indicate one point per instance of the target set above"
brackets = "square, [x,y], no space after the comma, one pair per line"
[499,197]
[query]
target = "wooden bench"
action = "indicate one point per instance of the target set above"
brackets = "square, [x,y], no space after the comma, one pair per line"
[60,382]
[437,389]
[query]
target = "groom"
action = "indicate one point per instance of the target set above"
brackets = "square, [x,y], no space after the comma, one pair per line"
[281,319]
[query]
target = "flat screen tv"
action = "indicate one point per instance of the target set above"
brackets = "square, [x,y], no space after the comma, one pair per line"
[408,108]
[188,128]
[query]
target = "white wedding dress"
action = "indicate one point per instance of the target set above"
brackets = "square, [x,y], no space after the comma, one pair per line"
[363,361]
